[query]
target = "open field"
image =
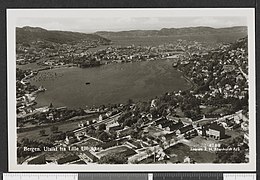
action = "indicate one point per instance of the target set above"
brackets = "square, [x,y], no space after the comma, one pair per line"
[154,131]
[182,150]
[123,150]
[214,110]
[232,134]
[90,142]
[63,127]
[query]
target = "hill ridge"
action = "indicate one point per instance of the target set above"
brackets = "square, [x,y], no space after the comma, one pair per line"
[28,34]
[174,31]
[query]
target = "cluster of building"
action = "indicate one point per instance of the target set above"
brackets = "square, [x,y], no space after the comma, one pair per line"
[58,55]
[223,73]
[156,135]
[26,93]
[54,53]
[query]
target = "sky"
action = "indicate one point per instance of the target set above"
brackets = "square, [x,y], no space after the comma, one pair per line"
[89,22]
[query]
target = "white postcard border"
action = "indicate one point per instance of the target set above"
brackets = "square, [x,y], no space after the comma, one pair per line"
[14,14]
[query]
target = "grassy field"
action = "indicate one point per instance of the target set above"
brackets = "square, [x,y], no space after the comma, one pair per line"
[232,134]
[117,150]
[179,112]
[52,156]
[153,131]
[206,121]
[199,141]
[89,142]
[182,150]
[35,134]
[214,110]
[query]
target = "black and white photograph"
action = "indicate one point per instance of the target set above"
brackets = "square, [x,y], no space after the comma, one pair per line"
[131,89]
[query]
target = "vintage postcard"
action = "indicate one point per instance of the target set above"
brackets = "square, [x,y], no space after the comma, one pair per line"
[93,90]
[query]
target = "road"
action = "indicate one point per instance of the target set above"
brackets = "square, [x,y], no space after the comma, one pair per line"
[108,120]
[244,74]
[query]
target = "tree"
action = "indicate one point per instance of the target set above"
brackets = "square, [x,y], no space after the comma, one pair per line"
[102,127]
[41,117]
[69,133]
[54,129]
[57,137]
[139,123]
[149,152]
[104,137]
[42,132]
[91,130]
[81,112]
[113,134]
[133,134]
[51,105]
[237,157]
[113,159]
[130,101]
[230,156]
[124,116]
[25,141]
[189,113]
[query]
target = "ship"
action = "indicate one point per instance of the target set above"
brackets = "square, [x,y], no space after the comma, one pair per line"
[87,83]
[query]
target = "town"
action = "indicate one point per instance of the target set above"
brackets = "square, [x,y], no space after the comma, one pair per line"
[207,123]
[60,55]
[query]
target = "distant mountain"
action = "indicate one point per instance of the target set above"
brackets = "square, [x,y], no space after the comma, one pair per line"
[187,31]
[28,34]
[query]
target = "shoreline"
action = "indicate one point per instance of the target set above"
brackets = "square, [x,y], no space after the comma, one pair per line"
[193,85]
[189,83]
